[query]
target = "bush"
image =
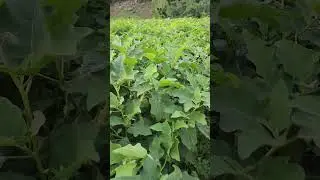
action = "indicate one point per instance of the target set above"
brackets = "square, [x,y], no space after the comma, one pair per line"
[180,8]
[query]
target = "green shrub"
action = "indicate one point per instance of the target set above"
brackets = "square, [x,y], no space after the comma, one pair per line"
[180,8]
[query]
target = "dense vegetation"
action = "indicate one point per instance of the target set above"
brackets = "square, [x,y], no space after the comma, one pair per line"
[180,8]
[53,88]
[266,89]
[159,95]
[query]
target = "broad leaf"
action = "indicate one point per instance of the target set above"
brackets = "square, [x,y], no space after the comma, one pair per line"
[11,117]
[73,143]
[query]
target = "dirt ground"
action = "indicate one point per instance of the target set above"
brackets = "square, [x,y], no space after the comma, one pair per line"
[131,9]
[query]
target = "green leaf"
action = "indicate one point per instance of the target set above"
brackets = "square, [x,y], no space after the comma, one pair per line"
[32,31]
[73,144]
[197,95]
[198,117]
[142,88]
[66,9]
[114,102]
[117,69]
[204,129]
[63,15]
[307,104]
[279,109]
[114,157]
[308,124]
[178,114]
[150,170]
[133,107]
[162,127]
[127,178]
[180,124]
[278,169]
[297,60]
[185,97]
[127,169]
[224,165]
[66,42]
[149,71]
[189,138]
[238,107]
[116,120]
[65,37]
[97,88]
[93,61]
[155,149]
[252,139]
[186,176]
[150,56]
[38,120]
[176,174]
[166,135]
[11,117]
[139,128]
[14,176]
[262,56]
[169,82]
[247,9]
[157,106]
[133,152]
[174,153]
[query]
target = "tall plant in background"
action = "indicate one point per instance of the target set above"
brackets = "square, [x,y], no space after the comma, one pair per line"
[180,8]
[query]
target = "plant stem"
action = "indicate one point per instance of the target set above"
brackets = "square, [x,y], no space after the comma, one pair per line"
[60,69]
[47,77]
[29,118]
[165,162]
[25,99]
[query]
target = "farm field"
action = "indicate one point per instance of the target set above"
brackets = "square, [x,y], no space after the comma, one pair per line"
[159,97]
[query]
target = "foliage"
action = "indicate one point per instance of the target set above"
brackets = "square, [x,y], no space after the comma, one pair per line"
[159,98]
[266,89]
[52,74]
[180,8]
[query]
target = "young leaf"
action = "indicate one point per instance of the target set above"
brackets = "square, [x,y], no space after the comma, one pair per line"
[134,152]
[139,128]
